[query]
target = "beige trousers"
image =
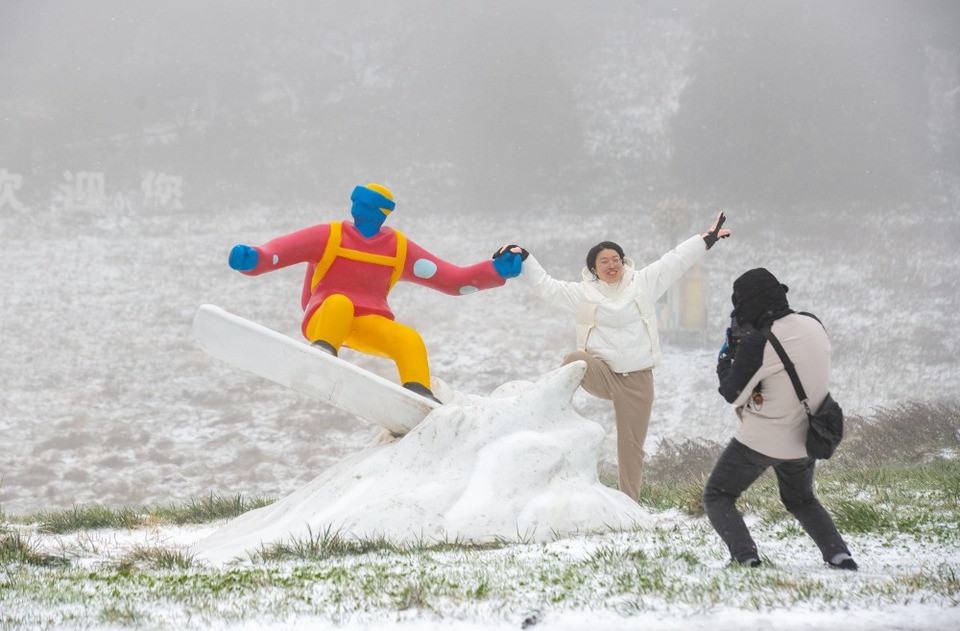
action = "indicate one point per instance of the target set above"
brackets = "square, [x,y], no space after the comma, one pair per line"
[632,396]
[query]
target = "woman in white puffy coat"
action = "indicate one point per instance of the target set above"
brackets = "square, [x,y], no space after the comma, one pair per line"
[614,308]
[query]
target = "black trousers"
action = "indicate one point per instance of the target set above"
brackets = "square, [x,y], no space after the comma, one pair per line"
[737,469]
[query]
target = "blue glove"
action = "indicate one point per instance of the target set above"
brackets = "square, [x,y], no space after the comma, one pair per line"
[243,258]
[508,264]
[725,348]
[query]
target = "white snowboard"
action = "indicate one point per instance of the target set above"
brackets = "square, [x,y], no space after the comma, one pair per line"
[298,365]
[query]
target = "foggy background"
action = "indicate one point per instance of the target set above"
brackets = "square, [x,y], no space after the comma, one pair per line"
[140,140]
[495,106]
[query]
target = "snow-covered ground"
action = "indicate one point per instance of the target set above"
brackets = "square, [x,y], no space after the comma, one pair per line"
[107,400]
[670,575]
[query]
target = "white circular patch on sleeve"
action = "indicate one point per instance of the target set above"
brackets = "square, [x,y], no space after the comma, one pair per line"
[467,289]
[276,259]
[424,268]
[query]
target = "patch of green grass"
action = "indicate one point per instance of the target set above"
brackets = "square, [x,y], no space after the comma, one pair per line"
[330,543]
[324,544]
[942,579]
[684,496]
[207,509]
[856,516]
[155,557]
[121,615]
[95,516]
[92,517]
[16,548]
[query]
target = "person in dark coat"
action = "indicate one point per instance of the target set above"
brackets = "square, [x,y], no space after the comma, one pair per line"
[773,422]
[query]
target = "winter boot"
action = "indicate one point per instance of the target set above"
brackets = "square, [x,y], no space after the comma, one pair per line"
[751,562]
[843,561]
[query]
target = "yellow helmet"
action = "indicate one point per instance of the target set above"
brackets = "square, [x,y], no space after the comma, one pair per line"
[374,196]
[383,190]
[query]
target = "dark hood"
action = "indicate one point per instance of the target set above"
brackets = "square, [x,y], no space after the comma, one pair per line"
[759,299]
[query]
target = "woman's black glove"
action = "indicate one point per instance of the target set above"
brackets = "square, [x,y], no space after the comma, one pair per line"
[715,233]
[509,248]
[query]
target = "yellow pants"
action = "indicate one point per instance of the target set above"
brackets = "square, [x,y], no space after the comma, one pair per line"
[334,322]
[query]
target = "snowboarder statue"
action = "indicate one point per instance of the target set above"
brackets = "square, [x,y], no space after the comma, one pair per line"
[351,268]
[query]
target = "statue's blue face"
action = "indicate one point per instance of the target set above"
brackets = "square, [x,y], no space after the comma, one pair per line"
[367,219]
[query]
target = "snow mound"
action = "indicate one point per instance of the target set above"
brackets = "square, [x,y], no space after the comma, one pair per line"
[520,464]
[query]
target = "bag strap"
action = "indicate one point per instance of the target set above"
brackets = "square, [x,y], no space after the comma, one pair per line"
[810,315]
[788,365]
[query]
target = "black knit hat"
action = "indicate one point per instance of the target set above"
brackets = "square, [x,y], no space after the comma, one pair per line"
[758,296]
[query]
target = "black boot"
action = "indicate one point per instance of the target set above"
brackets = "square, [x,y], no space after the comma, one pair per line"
[843,561]
[422,390]
[324,346]
[750,562]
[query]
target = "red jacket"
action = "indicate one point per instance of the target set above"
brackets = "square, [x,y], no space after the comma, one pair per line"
[363,269]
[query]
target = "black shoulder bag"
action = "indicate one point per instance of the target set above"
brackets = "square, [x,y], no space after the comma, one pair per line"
[826,424]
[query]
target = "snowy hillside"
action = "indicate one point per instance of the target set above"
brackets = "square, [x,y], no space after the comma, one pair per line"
[107,399]
[140,141]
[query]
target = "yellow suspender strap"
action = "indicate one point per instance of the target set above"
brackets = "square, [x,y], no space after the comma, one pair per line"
[329,254]
[333,250]
[400,259]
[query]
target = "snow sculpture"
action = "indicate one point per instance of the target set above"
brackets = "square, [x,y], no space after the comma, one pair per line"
[520,464]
